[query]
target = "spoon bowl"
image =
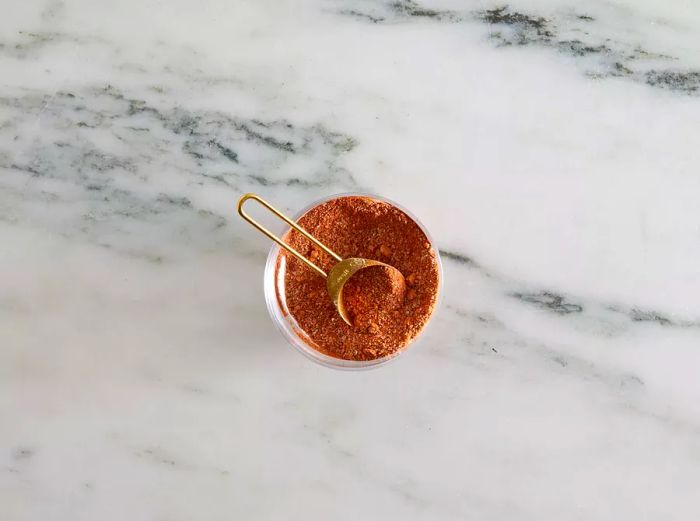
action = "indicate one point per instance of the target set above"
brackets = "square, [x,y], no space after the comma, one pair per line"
[341,272]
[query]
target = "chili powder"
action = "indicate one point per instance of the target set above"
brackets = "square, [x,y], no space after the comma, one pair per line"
[387,310]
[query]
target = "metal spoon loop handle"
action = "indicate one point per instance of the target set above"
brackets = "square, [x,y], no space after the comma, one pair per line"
[291,223]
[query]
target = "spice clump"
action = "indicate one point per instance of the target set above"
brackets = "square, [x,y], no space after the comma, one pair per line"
[387,310]
[371,296]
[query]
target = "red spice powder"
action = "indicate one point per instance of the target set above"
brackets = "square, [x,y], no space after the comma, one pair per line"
[387,310]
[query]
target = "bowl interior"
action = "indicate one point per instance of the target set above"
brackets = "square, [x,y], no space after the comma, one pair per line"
[274,289]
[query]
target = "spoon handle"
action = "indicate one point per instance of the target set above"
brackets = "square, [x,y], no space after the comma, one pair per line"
[291,223]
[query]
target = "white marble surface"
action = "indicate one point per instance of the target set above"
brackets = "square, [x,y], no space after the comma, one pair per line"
[551,147]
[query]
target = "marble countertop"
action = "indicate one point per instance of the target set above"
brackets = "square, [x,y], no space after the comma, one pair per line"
[551,148]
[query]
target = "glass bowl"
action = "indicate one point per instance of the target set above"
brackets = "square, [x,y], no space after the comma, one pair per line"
[288,325]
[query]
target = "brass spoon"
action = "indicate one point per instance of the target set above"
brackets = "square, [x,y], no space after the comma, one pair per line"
[339,274]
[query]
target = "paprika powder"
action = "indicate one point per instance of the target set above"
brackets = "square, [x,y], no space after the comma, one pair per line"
[387,310]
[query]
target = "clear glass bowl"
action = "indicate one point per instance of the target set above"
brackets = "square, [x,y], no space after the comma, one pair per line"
[288,325]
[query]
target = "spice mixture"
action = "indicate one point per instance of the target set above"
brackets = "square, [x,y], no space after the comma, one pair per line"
[387,310]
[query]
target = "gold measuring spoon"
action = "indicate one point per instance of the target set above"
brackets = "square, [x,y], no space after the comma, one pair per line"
[339,274]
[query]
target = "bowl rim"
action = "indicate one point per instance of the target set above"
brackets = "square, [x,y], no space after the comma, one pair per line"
[285,323]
